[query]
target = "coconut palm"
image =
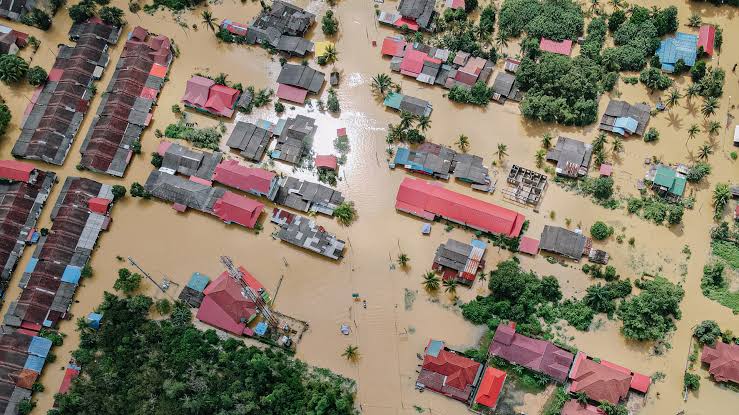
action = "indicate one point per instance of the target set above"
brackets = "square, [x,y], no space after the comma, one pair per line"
[704,151]
[581,398]
[502,151]
[692,132]
[599,156]
[546,141]
[330,54]
[430,281]
[221,79]
[381,83]
[709,107]
[450,286]
[695,20]
[673,98]
[713,127]
[406,120]
[721,196]
[351,353]
[692,91]
[501,41]
[463,143]
[600,141]
[403,260]
[618,145]
[616,4]
[209,20]
[424,122]
[540,155]
[594,6]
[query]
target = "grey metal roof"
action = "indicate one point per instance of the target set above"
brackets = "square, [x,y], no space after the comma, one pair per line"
[453,254]
[615,109]
[304,233]
[253,141]
[301,76]
[177,189]
[422,11]
[416,106]
[563,242]
[571,152]
[307,196]
[191,162]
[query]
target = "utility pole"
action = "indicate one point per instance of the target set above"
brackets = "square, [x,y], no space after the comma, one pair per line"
[146,274]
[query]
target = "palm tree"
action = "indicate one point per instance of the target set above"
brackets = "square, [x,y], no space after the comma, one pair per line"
[546,141]
[463,143]
[403,260]
[594,6]
[502,151]
[450,286]
[692,91]
[673,97]
[406,120]
[600,141]
[331,55]
[221,79]
[709,107]
[424,122]
[351,353]
[540,155]
[713,127]
[618,145]
[617,4]
[430,281]
[581,398]
[721,196]
[704,151]
[692,131]
[209,20]
[599,156]
[501,41]
[381,83]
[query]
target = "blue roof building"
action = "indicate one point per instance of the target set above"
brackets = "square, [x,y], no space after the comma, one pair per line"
[683,46]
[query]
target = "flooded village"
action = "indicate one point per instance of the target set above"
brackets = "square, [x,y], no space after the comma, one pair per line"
[393,191]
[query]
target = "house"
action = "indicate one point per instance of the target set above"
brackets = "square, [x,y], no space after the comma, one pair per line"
[604,381]
[303,232]
[235,28]
[178,159]
[525,186]
[564,242]
[182,192]
[226,308]
[126,106]
[460,261]
[561,48]
[203,94]
[441,162]
[529,246]
[307,196]
[282,26]
[505,88]
[23,359]
[11,40]
[538,355]
[419,11]
[681,47]
[57,108]
[511,65]
[625,119]
[326,162]
[393,46]
[17,171]
[454,4]
[723,361]
[251,140]
[15,10]
[573,407]
[232,208]
[572,157]
[406,103]
[490,387]
[295,137]
[706,38]
[425,200]
[253,180]
[447,372]
[296,81]
[667,181]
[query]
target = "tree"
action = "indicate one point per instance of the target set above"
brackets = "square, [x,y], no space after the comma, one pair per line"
[5,117]
[112,16]
[673,98]
[137,190]
[600,141]
[424,123]
[332,103]
[602,188]
[331,55]
[721,196]
[502,151]
[698,171]
[12,69]
[208,20]
[329,24]
[618,145]
[713,128]
[693,90]
[163,306]
[691,381]
[381,83]
[36,76]
[351,353]
[695,20]
[692,132]
[582,398]
[704,151]
[709,107]
[650,315]
[651,135]
[540,156]
[600,231]
[403,260]
[450,286]
[430,281]
[118,191]
[463,143]
[38,18]
[82,11]
[550,290]
[707,332]
[546,141]
[127,282]
[221,79]
[654,79]
[345,213]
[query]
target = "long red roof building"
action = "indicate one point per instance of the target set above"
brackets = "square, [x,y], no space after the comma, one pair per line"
[423,199]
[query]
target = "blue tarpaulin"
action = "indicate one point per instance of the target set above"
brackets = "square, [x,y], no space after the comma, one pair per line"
[479,244]
[39,346]
[198,281]
[46,323]
[34,363]
[625,124]
[72,274]
[93,320]
[31,265]
[261,328]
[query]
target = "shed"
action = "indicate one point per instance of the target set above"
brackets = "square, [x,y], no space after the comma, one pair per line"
[198,281]
[18,170]
[291,93]
[706,38]
[529,245]
[326,162]
[98,205]
[563,242]
[606,170]
[562,48]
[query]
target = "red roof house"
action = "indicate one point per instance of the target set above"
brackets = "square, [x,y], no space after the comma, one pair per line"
[723,361]
[423,199]
[232,208]
[221,100]
[291,93]
[16,170]
[490,387]
[598,381]
[573,407]
[393,46]
[69,375]
[529,246]
[248,179]
[327,162]
[562,48]
[454,4]
[639,382]
[197,90]
[447,372]
[225,307]
[98,205]
[538,355]
[706,37]
[412,63]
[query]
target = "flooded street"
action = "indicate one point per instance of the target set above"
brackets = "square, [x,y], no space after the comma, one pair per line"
[400,316]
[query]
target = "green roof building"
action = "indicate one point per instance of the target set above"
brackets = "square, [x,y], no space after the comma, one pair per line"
[668,181]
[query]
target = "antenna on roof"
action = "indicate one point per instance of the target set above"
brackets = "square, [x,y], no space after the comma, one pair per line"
[238,276]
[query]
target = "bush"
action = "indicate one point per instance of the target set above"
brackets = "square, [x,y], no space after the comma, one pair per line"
[332,103]
[712,85]
[616,19]
[600,231]
[12,69]
[654,79]
[81,12]
[112,16]
[137,190]
[578,314]
[651,135]
[118,192]
[479,94]
[5,117]
[345,213]
[279,107]
[707,332]
[36,76]
[698,171]
[37,18]
[698,71]
[127,282]
[691,381]
[329,24]
[163,306]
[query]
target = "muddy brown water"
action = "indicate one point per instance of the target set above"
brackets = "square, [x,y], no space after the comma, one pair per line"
[389,336]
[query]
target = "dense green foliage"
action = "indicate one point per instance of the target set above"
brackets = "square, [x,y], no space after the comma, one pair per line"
[36,76]
[119,191]
[12,69]
[600,231]
[725,250]
[345,213]
[5,117]
[329,23]
[712,84]
[637,38]
[112,16]
[135,365]
[654,79]
[707,332]
[37,18]
[595,38]
[81,11]
[208,137]
[479,94]
[698,171]
[692,381]
[172,4]
[127,282]
[650,315]
[459,33]
[552,19]
[651,135]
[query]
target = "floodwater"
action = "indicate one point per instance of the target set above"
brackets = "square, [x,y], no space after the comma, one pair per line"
[393,329]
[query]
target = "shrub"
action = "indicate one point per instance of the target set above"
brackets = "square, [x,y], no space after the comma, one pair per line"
[578,314]
[37,18]
[12,69]
[329,24]
[279,107]
[5,117]
[137,190]
[81,12]
[650,315]
[651,135]
[36,76]
[707,332]
[691,381]
[332,103]
[112,16]
[345,213]
[600,231]
[118,191]
[127,282]
[698,171]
